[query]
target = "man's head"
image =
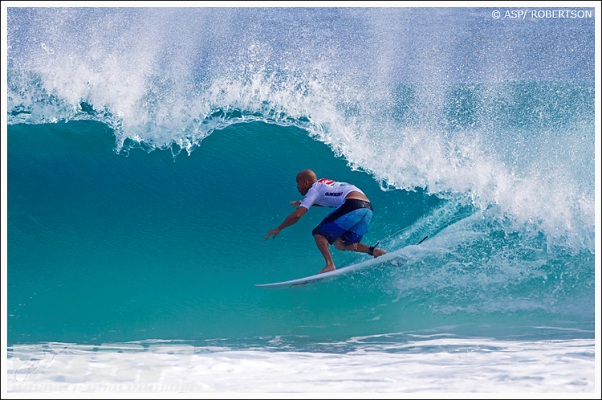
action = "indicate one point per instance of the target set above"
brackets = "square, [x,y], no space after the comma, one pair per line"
[305,179]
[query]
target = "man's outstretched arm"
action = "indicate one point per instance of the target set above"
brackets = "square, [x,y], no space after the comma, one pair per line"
[288,221]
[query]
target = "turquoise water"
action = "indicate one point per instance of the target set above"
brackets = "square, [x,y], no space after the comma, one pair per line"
[143,175]
[148,246]
[145,245]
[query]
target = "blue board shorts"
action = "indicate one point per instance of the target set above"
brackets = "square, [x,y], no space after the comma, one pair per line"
[348,222]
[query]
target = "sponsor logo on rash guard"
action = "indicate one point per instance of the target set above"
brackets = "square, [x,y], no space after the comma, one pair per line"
[333,194]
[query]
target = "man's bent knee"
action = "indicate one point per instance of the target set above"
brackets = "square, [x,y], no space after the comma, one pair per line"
[320,238]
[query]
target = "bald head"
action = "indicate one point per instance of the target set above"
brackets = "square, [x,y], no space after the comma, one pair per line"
[307,175]
[305,179]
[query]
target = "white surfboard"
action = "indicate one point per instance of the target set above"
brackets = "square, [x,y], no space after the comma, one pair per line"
[333,274]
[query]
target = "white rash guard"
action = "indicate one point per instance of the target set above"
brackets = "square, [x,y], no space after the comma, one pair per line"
[328,193]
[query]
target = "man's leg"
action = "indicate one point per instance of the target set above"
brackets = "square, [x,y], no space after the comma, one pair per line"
[358,247]
[323,244]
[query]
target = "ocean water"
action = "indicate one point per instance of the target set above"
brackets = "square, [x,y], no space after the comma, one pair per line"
[150,150]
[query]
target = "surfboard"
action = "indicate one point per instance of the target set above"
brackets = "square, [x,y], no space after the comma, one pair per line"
[333,274]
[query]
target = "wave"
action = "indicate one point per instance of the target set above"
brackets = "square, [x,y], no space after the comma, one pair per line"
[537,167]
[161,239]
[499,135]
[129,121]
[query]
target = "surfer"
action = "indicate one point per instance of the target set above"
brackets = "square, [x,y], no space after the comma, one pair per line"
[344,227]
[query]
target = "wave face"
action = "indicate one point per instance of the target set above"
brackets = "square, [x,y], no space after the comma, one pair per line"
[151,149]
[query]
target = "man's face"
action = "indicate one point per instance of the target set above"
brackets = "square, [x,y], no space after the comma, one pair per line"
[303,186]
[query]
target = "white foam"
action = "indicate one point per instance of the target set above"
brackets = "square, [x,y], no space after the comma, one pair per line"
[435,366]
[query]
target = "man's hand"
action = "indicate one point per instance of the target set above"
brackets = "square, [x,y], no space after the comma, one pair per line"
[288,221]
[274,232]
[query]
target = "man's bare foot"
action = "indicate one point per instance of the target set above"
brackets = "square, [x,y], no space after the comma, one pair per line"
[378,252]
[327,268]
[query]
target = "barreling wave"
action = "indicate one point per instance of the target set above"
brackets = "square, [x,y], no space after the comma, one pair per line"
[489,130]
[489,153]
[143,246]
[526,148]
